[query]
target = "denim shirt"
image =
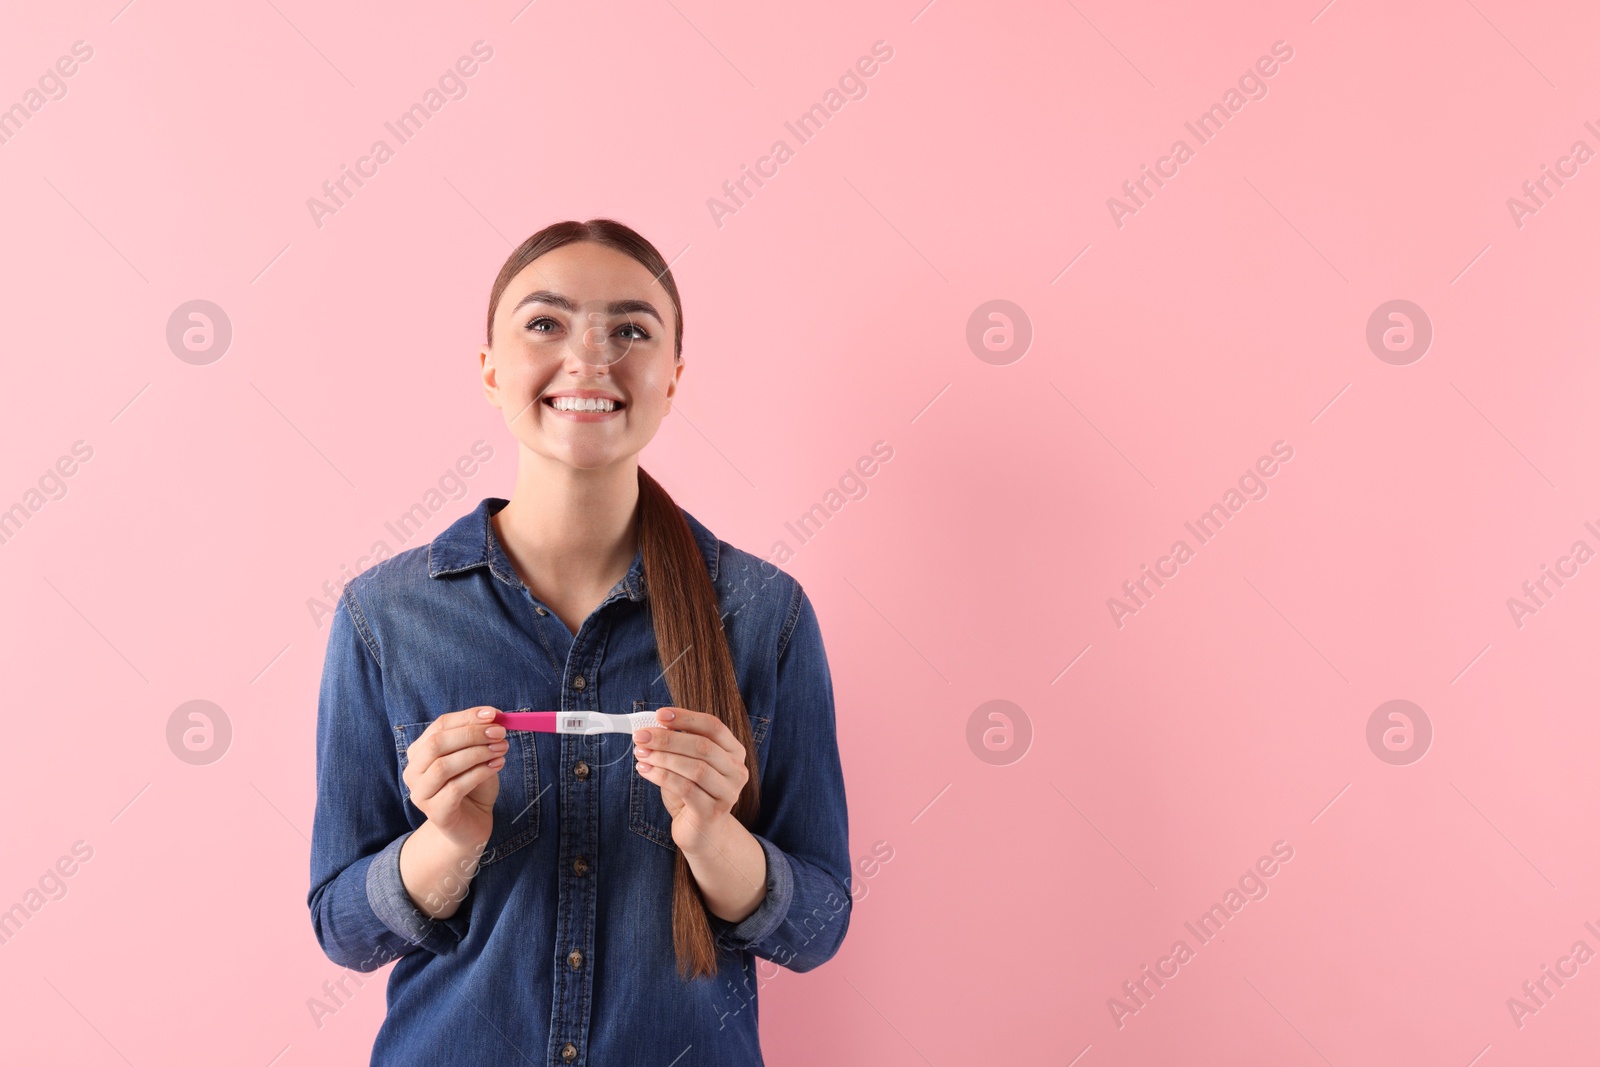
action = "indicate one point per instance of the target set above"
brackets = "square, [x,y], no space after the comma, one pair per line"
[561,950]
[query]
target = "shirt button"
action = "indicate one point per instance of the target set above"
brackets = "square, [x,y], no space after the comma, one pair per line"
[581,771]
[578,682]
[574,959]
[580,866]
[569,1052]
[540,610]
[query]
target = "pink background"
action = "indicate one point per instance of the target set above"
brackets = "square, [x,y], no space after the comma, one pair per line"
[827,313]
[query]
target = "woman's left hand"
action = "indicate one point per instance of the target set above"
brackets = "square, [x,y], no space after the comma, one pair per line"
[699,766]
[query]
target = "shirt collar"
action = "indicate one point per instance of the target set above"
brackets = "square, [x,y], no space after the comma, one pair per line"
[470,542]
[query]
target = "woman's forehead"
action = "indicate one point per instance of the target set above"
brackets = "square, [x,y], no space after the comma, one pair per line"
[590,263]
[591,278]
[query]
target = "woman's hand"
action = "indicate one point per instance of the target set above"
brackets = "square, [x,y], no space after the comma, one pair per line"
[453,772]
[699,766]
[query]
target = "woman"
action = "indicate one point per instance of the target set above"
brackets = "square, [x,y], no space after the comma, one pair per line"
[577,899]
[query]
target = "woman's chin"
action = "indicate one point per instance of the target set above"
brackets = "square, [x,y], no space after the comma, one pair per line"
[584,457]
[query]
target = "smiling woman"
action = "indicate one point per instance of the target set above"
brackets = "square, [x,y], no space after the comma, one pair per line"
[562,878]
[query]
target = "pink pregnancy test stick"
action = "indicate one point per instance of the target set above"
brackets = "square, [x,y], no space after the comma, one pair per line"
[575,722]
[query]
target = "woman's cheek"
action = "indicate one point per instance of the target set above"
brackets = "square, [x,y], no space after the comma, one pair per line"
[652,383]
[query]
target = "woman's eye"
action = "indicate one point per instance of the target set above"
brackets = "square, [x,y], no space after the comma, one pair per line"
[545,324]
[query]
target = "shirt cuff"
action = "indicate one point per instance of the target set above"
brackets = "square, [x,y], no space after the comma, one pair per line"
[770,914]
[386,894]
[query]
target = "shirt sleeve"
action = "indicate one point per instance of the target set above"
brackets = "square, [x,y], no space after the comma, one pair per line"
[803,825]
[363,916]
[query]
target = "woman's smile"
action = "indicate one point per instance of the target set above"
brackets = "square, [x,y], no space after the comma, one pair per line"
[583,405]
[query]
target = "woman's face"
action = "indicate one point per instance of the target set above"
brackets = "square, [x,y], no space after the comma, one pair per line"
[583,319]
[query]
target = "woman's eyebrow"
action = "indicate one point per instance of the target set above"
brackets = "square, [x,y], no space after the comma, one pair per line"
[616,307]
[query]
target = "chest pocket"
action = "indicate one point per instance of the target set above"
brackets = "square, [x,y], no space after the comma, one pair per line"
[647,812]
[516,809]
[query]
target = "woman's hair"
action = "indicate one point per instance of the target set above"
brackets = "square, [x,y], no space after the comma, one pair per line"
[682,602]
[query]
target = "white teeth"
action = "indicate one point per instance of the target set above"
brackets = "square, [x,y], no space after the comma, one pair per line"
[573,403]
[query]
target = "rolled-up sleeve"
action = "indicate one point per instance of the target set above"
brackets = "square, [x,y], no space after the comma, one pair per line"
[360,910]
[803,826]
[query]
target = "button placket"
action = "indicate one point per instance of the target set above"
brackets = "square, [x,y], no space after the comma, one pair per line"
[579,848]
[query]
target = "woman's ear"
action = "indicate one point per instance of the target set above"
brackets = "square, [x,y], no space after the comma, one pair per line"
[491,383]
[672,386]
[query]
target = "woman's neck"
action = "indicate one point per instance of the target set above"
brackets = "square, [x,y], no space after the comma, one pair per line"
[570,532]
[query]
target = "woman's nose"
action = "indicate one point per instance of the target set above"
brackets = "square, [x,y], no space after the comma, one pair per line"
[593,344]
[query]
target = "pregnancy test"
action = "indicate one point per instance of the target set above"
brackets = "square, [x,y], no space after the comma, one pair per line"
[575,722]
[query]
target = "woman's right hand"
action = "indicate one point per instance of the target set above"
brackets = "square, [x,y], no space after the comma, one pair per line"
[453,772]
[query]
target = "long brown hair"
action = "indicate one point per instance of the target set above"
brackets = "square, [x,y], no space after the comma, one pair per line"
[682,602]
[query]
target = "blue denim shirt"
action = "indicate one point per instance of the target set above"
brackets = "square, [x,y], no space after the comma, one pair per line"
[561,951]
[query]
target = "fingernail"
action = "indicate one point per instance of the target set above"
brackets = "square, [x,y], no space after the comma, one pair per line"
[666,715]
[485,713]
[641,735]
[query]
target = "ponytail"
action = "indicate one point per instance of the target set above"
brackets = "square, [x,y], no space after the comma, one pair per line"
[690,640]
